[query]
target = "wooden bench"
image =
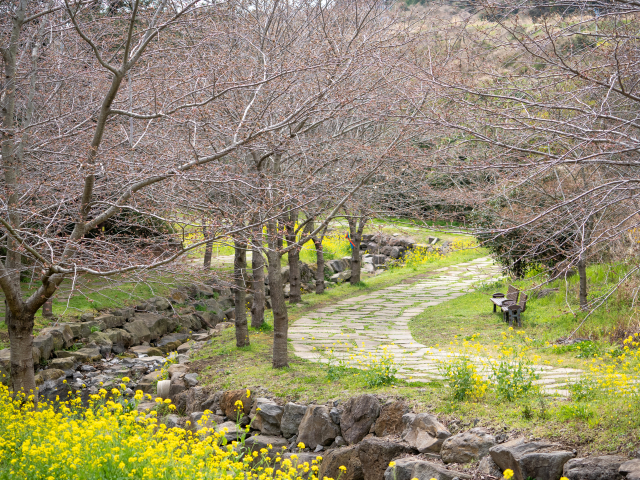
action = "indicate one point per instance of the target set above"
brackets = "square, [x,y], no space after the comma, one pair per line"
[500,300]
[511,313]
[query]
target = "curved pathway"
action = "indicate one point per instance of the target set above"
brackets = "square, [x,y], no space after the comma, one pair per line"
[381,318]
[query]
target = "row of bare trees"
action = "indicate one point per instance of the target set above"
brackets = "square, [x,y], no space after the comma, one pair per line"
[120,122]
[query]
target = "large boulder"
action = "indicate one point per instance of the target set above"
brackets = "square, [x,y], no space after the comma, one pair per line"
[409,468]
[291,418]
[358,415]
[83,355]
[347,457]
[468,446]
[594,468]
[389,421]
[375,455]
[62,336]
[110,320]
[231,409]
[44,343]
[157,324]
[197,399]
[139,332]
[317,428]
[631,469]
[424,432]
[268,417]
[101,339]
[539,460]
[341,277]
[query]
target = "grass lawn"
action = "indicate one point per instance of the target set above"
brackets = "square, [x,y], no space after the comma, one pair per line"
[592,422]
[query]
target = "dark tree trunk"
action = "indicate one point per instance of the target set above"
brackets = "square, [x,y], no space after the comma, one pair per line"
[582,272]
[319,264]
[355,232]
[278,305]
[21,345]
[208,251]
[239,268]
[257,265]
[295,295]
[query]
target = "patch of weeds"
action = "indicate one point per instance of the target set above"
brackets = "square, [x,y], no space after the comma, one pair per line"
[513,376]
[584,389]
[577,411]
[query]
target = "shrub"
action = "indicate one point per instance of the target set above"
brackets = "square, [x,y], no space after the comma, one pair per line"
[463,379]
[513,375]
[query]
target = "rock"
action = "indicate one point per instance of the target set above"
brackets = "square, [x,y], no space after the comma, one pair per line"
[139,332]
[177,386]
[375,455]
[341,277]
[126,312]
[229,399]
[179,296]
[62,336]
[467,447]
[630,469]
[258,442]
[160,303]
[156,324]
[44,343]
[87,354]
[542,461]
[185,347]
[347,457]
[62,363]
[318,448]
[284,271]
[148,383]
[111,321]
[317,428]
[358,415]
[488,467]
[339,441]
[268,417]
[594,468]
[101,339]
[335,415]
[424,432]
[233,433]
[177,370]
[200,420]
[196,399]
[389,421]
[291,418]
[171,421]
[191,379]
[411,468]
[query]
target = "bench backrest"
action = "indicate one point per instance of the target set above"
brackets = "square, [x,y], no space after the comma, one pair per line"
[523,301]
[512,293]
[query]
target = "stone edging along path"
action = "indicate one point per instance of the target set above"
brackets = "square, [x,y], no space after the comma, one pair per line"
[381,318]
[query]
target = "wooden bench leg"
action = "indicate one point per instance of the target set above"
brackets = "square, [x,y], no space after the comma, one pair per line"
[494,308]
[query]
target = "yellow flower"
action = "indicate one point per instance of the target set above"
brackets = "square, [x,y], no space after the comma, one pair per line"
[300,445]
[248,393]
[392,464]
[126,379]
[343,468]
[508,473]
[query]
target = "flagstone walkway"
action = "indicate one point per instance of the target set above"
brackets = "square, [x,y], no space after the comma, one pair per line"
[380,319]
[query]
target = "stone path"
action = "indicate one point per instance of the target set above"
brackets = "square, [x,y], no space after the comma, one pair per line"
[364,325]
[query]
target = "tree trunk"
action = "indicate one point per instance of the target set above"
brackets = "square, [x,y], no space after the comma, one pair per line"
[257,265]
[239,268]
[278,305]
[208,251]
[21,345]
[47,308]
[295,295]
[582,272]
[319,265]
[355,232]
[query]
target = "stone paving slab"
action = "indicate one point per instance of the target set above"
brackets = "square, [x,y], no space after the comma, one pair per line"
[381,318]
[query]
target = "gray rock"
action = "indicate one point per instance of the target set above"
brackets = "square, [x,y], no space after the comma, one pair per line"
[148,383]
[317,428]
[268,417]
[171,421]
[258,442]
[139,332]
[468,446]
[191,379]
[177,371]
[291,418]
[101,339]
[111,321]
[375,455]
[410,467]
[424,432]
[542,461]
[62,363]
[177,386]
[335,415]
[62,336]
[594,468]
[358,415]
[157,325]
[631,469]
[389,421]
[318,448]
[339,441]
[347,457]
[488,467]
[233,432]
[200,420]
[341,277]
[44,343]
[87,354]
